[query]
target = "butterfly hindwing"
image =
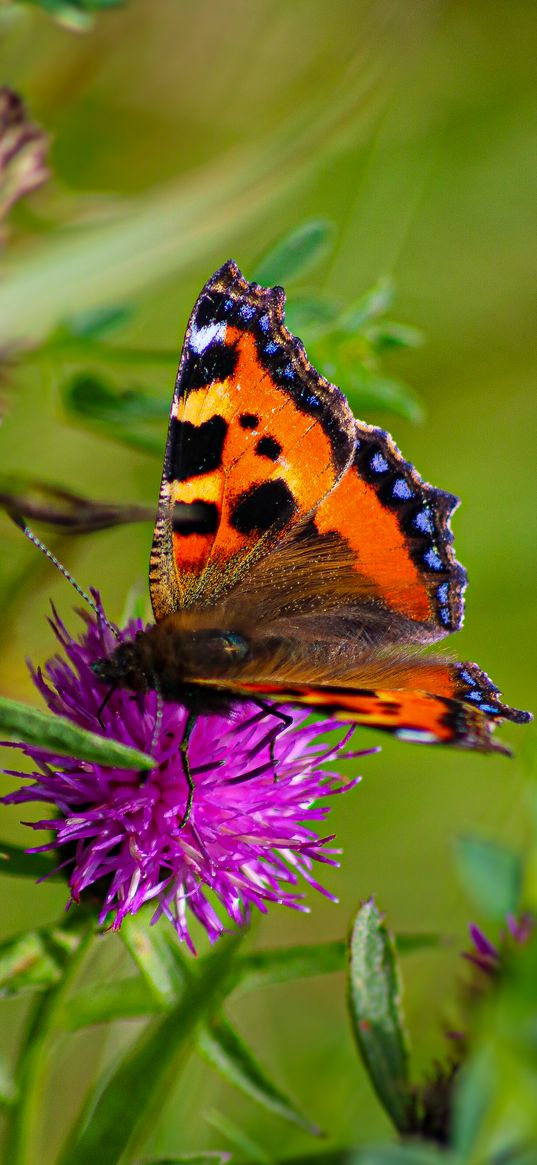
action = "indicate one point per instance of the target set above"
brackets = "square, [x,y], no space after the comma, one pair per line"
[256,439]
[455,704]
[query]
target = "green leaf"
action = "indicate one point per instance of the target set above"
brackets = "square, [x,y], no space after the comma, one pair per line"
[168,976]
[128,998]
[473,1096]
[146,1071]
[368,391]
[224,1049]
[237,1136]
[16,862]
[371,304]
[88,396]
[491,874]
[296,253]
[31,726]
[375,1004]
[117,415]
[211,1158]
[388,335]
[310,316]
[409,1154]
[33,961]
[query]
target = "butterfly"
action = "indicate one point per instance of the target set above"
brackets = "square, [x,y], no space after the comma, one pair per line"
[297,557]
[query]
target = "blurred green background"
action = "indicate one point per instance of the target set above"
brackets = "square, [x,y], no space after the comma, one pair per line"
[187,131]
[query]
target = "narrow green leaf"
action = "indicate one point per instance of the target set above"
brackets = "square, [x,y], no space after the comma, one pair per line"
[27,725]
[15,861]
[371,304]
[146,1072]
[254,1152]
[491,874]
[121,999]
[224,1049]
[375,1004]
[211,1158]
[296,253]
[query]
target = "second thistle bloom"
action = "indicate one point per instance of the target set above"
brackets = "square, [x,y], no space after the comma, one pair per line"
[249,840]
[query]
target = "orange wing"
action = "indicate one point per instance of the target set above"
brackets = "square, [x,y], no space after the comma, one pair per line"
[397,528]
[304,533]
[257,439]
[457,705]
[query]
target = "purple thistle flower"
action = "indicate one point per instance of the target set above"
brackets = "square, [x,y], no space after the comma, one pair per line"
[489,958]
[248,840]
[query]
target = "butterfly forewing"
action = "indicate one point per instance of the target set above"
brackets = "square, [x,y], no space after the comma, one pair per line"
[257,438]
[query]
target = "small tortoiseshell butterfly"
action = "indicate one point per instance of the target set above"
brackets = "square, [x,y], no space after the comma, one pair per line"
[297,556]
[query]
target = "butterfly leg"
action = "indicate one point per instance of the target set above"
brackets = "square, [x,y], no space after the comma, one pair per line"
[102,705]
[273,733]
[183,751]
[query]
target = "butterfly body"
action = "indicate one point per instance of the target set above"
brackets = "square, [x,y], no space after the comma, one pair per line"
[297,557]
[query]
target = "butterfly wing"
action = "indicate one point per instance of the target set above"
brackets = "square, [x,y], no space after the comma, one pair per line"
[256,439]
[455,704]
[343,553]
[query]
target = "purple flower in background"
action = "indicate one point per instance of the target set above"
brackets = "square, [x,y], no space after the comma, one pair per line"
[485,955]
[248,840]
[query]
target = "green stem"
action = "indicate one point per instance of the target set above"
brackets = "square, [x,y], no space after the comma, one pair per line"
[34,1057]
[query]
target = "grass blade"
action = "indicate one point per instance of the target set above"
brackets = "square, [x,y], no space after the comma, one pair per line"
[224,1049]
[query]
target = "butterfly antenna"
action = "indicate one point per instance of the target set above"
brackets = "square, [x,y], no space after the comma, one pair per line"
[29,534]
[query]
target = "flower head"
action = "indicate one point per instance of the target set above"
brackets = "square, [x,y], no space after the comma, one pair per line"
[248,840]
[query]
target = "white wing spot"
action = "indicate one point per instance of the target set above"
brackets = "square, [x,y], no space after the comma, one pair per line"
[416,736]
[200,338]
